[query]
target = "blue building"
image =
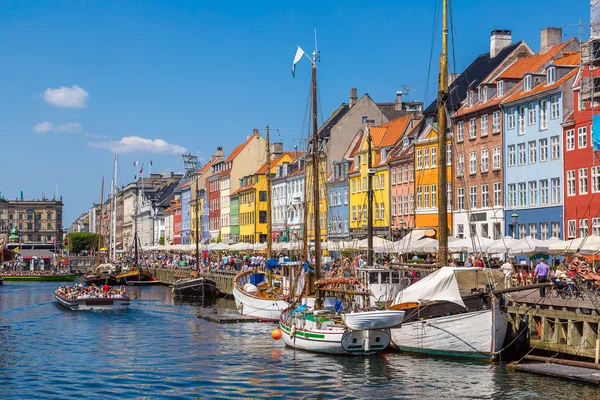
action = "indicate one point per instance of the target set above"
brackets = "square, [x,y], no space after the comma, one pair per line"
[533,177]
[186,195]
[338,203]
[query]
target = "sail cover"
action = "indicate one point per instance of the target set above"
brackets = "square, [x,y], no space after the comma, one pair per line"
[450,284]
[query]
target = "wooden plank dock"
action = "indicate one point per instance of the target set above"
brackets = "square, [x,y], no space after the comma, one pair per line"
[228,318]
[560,371]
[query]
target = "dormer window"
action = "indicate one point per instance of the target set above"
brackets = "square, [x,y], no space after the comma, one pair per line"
[550,75]
[484,94]
[470,98]
[383,155]
[528,83]
[500,88]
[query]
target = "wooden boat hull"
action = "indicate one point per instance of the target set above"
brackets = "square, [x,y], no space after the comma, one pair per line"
[196,287]
[125,277]
[267,310]
[40,278]
[93,304]
[473,335]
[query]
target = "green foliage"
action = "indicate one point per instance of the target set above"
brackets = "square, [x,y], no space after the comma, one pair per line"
[80,241]
[219,237]
[161,241]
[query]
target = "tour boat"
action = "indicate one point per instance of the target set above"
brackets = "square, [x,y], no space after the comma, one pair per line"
[453,313]
[117,302]
[195,287]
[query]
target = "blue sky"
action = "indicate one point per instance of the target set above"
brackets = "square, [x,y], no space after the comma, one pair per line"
[78,77]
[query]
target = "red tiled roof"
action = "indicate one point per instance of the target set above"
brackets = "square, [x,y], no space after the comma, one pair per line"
[494,101]
[205,167]
[394,130]
[243,189]
[531,63]
[569,59]
[542,87]
[263,168]
[239,149]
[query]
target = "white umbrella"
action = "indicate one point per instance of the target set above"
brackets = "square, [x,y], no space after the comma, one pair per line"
[425,245]
[259,246]
[217,247]
[476,244]
[501,245]
[378,244]
[527,245]
[241,246]
[587,244]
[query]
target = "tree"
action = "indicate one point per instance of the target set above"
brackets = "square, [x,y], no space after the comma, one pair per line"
[161,241]
[80,241]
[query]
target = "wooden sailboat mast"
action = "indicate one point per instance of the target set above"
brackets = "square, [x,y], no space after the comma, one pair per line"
[370,173]
[269,198]
[442,100]
[197,227]
[315,170]
[100,225]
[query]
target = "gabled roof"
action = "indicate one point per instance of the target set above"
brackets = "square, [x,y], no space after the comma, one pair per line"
[263,169]
[571,59]
[395,130]
[239,148]
[532,63]
[472,76]
[334,118]
[243,189]
[542,87]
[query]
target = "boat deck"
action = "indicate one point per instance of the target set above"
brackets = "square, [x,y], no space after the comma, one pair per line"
[228,318]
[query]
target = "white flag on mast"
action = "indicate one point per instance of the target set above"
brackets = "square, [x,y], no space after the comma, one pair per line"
[299,54]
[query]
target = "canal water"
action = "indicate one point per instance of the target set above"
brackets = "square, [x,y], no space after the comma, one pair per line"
[160,349]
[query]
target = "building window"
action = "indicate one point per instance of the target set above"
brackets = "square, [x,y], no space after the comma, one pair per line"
[472,163]
[376,182]
[583,181]
[485,163]
[460,134]
[570,140]
[470,98]
[500,88]
[543,115]
[528,83]
[497,194]
[521,120]
[555,143]
[543,192]
[426,157]
[411,170]
[364,188]
[484,125]
[434,196]
[556,190]
[485,94]
[426,196]
[419,159]
[512,195]
[550,75]
[496,122]
[419,197]
[406,210]
[533,230]
[412,204]
[460,165]
[485,196]
[511,116]
[532,114]
[448,154]
[596,179]
[511,155]
[556,229]
[393,206]
[473,197]
[496,158]
[353,213]
[522,231]
[497,230]
[532,152]
[401,171]
[554,107]
[521,153]
[522,194]
[543,150]
[543,230]
[460,194]
[583,227]
[532,193]
[345,196]
[472,128]
[433,157]
[262,217]
[581,137]
[376,211]
[596,226]
[382,181]
[382,211]
[393,175]
[353,182]
[449,194]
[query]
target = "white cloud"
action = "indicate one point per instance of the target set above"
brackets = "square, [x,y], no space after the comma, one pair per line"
[47,126]
[43,127]
[73,97]
[135,144]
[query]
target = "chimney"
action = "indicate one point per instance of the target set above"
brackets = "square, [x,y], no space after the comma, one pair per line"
[353,97]
[218,155]
[499,39]
[398,105]
[276,150]
[550,37]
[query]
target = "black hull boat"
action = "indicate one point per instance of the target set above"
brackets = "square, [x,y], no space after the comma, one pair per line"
[99,279]
[195,287]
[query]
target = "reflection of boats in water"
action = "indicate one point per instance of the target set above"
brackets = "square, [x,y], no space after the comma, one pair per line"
[195,287]
[77,300]
[103,273]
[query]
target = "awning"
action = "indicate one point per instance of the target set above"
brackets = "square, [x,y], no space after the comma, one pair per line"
[39,253]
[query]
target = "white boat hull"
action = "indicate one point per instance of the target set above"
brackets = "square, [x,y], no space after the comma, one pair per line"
[264,309]
[384,319]
[96,303]
[476,335]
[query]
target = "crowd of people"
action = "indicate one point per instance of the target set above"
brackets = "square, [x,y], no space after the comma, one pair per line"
[92,291]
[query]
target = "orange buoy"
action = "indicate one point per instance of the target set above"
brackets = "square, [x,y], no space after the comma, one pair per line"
[276,333]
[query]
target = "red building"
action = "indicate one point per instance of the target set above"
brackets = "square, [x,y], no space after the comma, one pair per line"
[581,162]
[176,209]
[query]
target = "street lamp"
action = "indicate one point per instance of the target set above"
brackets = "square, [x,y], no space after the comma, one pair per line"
[515,220]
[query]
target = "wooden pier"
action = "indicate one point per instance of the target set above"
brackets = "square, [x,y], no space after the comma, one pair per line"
[223,278]
[565,326]
[228,318]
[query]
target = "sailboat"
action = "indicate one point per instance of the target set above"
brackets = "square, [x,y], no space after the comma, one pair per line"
[452,312]
[338,319]
[258,293]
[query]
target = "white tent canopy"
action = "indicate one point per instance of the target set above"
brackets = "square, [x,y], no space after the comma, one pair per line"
[586,245]
[474,244]
[501,245]
[528,245]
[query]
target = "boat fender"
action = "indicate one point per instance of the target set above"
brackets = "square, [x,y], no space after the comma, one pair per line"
[293,331]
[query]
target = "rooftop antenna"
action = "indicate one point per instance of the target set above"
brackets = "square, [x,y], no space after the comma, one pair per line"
[407,89]
[316,53]
[190,164]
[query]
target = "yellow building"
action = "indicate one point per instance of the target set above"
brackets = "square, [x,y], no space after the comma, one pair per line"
[322,198]
[253,201]
[426,179]
[383,140]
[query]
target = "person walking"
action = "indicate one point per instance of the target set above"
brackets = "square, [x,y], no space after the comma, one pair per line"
[541,272]
[508,270]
